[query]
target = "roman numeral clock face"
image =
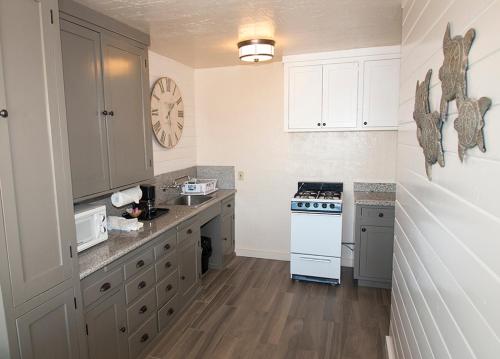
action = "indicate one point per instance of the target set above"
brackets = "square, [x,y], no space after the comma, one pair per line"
[167,112]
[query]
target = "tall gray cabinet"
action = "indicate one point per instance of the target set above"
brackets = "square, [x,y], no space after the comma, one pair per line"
[106,81]
[39,292]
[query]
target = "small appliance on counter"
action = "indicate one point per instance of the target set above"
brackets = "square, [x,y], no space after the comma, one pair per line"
[91,225]
[146,205]
[199,186]
[316,233]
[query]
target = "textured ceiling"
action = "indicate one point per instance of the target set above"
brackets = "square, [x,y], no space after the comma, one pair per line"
[204,33]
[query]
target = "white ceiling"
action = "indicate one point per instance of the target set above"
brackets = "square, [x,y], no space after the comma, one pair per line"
[204,33]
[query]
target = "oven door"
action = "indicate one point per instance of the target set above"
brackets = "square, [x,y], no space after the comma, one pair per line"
[316,234]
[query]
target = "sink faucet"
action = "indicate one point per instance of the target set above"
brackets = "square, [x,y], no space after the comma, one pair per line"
[175,184]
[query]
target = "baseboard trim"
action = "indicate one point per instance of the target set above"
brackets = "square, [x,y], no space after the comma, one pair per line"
[244,252]
[390,348]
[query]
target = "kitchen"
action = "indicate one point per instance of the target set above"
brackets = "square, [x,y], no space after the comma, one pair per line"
[326,131]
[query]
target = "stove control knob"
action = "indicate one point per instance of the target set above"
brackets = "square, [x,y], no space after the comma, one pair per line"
[299,204]
[308,205]
[315,205]
[324,205]
[332,206]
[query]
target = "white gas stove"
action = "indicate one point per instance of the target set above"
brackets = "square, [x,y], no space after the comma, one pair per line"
[316,233]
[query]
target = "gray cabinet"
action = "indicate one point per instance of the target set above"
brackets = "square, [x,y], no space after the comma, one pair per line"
[107,91]
[188,267]
[50,330]
[84,92]
[107,328]
[374,238]
[227,228]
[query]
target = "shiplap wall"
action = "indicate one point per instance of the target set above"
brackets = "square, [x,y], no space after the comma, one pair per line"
[184,154]
[446,285]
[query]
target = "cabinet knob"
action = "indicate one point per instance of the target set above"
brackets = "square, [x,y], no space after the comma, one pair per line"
[111,113]
[144,338]
[363,229]
[365,123]
[105,113]
[168,265]
[380,215]
[143,309]
[183,277]
[139,264]
[4,113]
[170,311]
[142,284]
[225,239]
[319,124]
[168,288]
[229,205]
[106,286]
[189,231]
[123,329]
[166,246]
[324,123]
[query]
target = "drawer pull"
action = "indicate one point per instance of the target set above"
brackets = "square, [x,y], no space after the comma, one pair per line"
[170,311]
[224,239]
[363,229]
[167,247]
[141,285]
[189,231]
[315,259]
[139,264]
[169,288]
[168,265]
[106,286]
[144,338]
[143,309]
[123,329]
[380,215]
[183,277]
[229,205]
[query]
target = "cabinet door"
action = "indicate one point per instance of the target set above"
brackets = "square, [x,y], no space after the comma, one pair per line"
[83,89]
[304,97]
[381,93]
[376,246]
[107,331]
[188,258]
[340,95]
[50,330]
[227,234]
[34,168]
[126,96]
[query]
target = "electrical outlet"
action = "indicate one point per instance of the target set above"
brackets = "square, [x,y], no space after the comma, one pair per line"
[241,175]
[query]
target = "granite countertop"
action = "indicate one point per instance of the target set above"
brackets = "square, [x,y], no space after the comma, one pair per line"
[375,194]
[120,243]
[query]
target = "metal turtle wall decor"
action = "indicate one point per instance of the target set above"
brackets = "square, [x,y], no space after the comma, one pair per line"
[470,123]
[429,126]
[453,72]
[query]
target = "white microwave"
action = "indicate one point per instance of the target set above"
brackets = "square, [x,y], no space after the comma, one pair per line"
[91,226]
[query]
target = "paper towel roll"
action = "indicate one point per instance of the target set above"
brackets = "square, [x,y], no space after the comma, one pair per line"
[120,199]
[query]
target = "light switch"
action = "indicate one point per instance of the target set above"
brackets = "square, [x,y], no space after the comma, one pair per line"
[241,175]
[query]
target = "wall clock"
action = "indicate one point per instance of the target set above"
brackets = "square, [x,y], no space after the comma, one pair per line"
[167,112]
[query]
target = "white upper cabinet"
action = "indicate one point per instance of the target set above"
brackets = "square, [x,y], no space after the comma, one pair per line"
[306,86]
[340,95]
[353,90]
[381,93]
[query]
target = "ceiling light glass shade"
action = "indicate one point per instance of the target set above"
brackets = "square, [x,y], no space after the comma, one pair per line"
[256,50]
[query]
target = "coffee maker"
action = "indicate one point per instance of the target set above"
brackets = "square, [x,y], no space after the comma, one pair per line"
[147,204]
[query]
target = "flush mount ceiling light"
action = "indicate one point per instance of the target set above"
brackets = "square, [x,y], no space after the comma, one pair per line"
[256,50]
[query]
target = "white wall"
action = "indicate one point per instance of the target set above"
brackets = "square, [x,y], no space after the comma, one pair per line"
[184,154]
[239,121]
[447,251]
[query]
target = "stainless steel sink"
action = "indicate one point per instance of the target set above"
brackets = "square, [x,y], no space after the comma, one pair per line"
[187,200]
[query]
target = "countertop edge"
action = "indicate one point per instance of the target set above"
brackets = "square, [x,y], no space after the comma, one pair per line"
[139,243]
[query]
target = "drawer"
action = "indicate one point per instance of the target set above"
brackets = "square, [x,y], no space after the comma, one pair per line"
[228,206]
[378,216]
[315,266]
[167,288]
[166,246]
[187,230]
[138,341]
[168,312]
[140,285]
[141,310]
[209,213]
[165,266]
[138,263]
[102,287]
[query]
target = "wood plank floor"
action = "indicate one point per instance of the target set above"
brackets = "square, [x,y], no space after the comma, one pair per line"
[252,309]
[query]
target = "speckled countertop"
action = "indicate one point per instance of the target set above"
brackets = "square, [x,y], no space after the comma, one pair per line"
[120,243]
[375,194]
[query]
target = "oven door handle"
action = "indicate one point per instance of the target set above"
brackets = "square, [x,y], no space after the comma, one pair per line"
[316,259]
